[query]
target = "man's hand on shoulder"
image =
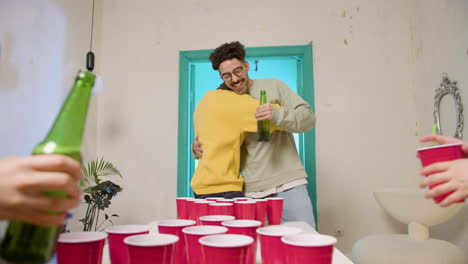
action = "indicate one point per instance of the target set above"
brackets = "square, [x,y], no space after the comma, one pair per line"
[197,150]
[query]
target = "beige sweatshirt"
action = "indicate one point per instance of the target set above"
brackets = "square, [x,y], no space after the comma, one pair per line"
[266,165]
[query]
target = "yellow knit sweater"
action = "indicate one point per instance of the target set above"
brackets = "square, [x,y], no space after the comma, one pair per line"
[221,119]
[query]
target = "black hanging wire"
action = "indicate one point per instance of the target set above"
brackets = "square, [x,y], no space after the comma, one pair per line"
[90,54]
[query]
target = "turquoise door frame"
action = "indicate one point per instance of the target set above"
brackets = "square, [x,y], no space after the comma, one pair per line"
[305,88]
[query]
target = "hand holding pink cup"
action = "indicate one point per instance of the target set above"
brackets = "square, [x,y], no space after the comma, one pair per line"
[440,153]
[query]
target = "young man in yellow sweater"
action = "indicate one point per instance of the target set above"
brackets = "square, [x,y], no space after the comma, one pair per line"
[221,120]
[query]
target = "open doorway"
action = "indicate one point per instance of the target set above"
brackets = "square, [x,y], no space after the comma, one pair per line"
[291,64]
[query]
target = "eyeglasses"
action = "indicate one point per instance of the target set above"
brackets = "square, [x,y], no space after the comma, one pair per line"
[227,76]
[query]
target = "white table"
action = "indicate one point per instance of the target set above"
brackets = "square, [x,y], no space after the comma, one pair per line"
[338,257]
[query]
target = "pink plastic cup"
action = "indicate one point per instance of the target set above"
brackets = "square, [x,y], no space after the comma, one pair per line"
[226,248]
[221,209]
[244,210]
[116,234]
[201,209]
[196,206]
[80,247]
[151,248]
[174,227]
[215,219]
[308,248]
[190,203]
[248,228]
[192,234]
[448,152]
[271,247]
[275,210]
[261,210]
[182,210]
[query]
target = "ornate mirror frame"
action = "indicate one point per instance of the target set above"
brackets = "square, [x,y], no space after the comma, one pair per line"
[448,87]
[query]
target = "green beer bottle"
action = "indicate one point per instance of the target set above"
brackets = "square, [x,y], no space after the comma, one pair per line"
[26,243]
[263,127]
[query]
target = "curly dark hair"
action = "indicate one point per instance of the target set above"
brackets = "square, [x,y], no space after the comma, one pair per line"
[227,51]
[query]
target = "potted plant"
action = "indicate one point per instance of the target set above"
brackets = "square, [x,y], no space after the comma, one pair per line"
[98,193]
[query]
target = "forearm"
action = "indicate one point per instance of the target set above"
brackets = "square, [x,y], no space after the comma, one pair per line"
[298,120]
[295,115]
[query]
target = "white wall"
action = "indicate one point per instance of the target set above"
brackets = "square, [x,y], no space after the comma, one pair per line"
[376,66]
[42,46]
[31,71]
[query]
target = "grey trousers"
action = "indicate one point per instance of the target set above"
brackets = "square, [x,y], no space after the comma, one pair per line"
[297,205]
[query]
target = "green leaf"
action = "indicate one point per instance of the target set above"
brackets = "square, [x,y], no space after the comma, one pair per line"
[96,169]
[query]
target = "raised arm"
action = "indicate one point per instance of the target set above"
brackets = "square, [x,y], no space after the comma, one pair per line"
[295,114]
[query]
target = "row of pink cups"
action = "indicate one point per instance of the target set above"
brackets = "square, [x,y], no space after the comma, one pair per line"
[240,208]
[180,241]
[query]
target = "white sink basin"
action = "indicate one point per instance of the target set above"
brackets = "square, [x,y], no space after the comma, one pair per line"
[409,205]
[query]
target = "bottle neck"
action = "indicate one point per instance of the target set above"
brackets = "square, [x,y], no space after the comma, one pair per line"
[66,134]
[263,97]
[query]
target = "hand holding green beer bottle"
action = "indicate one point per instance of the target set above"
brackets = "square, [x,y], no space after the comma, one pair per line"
[25,178]
[27,243]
